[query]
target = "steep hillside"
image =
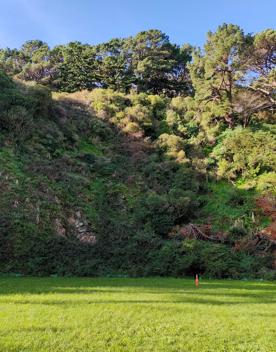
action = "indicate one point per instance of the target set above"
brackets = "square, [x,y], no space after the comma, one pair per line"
[94,183]
[71,182]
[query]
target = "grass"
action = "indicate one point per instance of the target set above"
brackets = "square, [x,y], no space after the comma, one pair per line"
[82,314]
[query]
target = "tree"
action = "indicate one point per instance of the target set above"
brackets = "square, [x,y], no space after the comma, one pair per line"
[35,50]
[234,78]
[261,70]
[12,61]
[215,73]
[77,67]
[158,65]
[114,66]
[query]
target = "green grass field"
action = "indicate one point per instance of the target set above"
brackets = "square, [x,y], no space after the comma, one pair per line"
[153,314]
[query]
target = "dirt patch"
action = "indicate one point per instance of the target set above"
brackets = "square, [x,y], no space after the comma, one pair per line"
[268,206]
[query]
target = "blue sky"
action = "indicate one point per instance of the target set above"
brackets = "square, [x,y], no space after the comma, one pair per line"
[95,21]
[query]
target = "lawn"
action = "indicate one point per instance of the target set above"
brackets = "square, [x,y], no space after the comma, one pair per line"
[153,314]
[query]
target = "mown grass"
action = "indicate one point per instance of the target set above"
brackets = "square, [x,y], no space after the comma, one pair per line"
[82,314]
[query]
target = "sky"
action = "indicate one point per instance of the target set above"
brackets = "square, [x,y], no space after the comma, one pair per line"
[95,21]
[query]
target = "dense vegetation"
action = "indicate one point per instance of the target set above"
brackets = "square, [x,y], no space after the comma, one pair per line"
[108,152]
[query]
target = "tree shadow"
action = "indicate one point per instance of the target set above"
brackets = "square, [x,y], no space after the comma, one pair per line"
[186,300]
[159,291]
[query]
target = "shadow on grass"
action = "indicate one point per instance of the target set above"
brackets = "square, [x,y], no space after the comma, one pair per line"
[179,291]
[9,285]
[184,300]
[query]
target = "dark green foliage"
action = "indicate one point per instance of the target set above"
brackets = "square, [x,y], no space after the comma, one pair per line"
[5,81]
[147,62]
[218,260]
[158,65]
[20,106]
[78,68]
[99,182]
[190,257]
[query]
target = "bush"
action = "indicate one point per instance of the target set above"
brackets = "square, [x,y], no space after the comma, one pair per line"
[266,181]
[39,100]
[245,153]
[218,260]
[20,105]
[173,146]
[5,81]
[132,127]
[107,101]
[168,260]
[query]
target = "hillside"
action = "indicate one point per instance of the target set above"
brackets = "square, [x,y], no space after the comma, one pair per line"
[160,175]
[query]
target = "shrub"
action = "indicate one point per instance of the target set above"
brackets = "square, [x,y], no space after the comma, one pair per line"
[266,181]
[5,81]
[132,127]
[245,153]
[173,146]
[107,101]
[218,260]
[20,105]
[38,100]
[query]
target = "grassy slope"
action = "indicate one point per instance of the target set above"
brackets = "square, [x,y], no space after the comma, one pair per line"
[69,314]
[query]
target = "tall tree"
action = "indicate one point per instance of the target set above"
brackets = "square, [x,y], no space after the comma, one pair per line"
[261,67]
[215,73]
[77,67]
[37,67]
[12,61]
[234,79]
[157,64]
[114,65]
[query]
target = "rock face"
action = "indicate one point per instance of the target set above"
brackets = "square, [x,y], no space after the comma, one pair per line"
[60,229]
[82,229]
[76,226]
